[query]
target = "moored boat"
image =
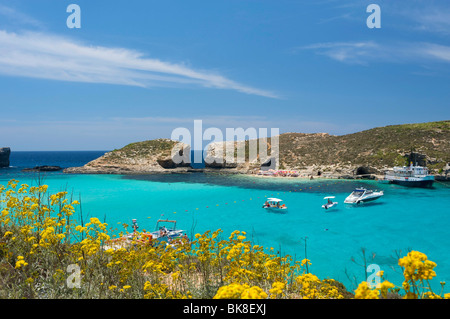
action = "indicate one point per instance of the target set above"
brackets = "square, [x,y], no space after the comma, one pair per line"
[362,195]
[274,204]
[329,204]
[167,234]
[412,176]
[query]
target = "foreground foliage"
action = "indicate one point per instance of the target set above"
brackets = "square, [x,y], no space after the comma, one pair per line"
[46,253]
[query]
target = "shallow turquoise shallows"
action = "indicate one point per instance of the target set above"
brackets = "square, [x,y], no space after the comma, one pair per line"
[403,219]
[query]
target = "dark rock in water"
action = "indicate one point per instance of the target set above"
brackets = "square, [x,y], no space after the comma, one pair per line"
[4,156]
[44,168]
[211,162]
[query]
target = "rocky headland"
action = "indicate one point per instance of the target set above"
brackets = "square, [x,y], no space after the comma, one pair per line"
[5,152]
[153,156]
[365,154]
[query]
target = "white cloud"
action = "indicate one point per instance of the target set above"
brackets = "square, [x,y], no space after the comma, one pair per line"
[45,56]
[366,52]
[440,52]
[17,17]
[432,17]
[352,52]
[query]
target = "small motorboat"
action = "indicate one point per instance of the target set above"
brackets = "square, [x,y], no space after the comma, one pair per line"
[362,195]
[329,204]
[163,233]
[274,204]
[168,235]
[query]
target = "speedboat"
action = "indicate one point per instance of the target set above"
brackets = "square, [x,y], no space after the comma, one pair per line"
[274,204]
[329,202]
[361,195]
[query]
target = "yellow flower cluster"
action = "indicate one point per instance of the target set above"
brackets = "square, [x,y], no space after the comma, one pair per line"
[417,270]
[162,291]
[238,291]
[20,262]
[417,266]
[311,287]
[364,292]
[277,290]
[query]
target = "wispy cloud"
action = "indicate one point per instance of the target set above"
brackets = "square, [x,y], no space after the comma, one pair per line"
[428,16]
[16,17]
[45,56]
[366,52]
[351,52]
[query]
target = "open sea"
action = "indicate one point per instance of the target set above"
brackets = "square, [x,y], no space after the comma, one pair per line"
[403,219]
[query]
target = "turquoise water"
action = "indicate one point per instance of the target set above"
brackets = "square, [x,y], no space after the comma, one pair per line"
[404,218]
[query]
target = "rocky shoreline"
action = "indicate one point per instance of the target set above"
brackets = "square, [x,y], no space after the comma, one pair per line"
[349,173]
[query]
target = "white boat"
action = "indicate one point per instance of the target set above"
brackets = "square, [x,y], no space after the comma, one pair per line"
[361,195]
[170,235]
[413,176]
[274,204]
[329,203]
[162,233]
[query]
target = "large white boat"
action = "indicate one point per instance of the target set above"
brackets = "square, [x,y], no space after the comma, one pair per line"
[362,195]
[414,176]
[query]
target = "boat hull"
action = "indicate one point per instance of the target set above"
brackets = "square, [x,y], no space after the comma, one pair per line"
[370,199]
[276,208]
[423,183]
[364,200]
[328,206]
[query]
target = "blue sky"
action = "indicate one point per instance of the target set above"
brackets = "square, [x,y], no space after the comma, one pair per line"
[136,70]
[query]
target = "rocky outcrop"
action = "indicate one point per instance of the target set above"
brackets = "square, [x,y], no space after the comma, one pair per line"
[156,156]
[5,152]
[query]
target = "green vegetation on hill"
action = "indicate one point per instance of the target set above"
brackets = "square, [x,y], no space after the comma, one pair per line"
[161,147]
[377,147]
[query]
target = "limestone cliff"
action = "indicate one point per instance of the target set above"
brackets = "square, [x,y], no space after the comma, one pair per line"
[153,156]
[363,153]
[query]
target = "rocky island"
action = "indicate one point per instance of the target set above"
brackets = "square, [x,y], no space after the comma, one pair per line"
[5,152]
[363,154]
